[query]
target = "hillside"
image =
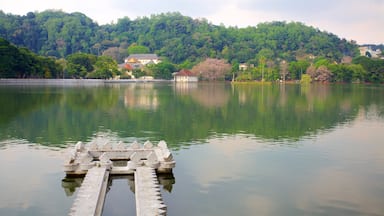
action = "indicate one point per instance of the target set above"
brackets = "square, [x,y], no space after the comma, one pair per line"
[22,63]
[173,36]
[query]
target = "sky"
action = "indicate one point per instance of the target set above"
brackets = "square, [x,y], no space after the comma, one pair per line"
[358,20]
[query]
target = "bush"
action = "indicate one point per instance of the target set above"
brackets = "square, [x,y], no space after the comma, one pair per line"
[305,79]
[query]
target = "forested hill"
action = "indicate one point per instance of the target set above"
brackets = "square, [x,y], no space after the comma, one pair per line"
[172,35]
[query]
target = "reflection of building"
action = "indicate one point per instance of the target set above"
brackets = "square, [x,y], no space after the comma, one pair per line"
[185,88]
[185,76]
[142,96]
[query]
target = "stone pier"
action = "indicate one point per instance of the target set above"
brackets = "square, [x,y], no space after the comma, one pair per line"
[97,162]
[91,196]
[147,193]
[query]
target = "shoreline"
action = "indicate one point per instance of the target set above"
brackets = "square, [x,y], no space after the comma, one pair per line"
[74,82]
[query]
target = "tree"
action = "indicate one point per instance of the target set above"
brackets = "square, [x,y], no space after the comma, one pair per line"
[137,49]
[283,70]
[172,35]
[305,79]
[116,53]
[311,71]
[79,64]
[212,69]
[323,74]
[297,68]
[162,70]
[262,60]
[178,39]
[374,68]
[22,63]
[105,67]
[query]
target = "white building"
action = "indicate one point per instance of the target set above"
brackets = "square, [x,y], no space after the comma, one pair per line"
[142,59]
[185,76]
[366,50]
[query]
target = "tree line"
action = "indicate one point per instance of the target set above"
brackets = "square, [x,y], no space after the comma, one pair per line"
[273,50]
[174,36]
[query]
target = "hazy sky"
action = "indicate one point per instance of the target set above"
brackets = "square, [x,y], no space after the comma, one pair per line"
[359,20]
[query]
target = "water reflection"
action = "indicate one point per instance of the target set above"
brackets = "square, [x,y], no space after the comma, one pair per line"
[120,199]
[142,96]
[57,116]
[184,88]
[266,150]
[71,184]
[335,173]
[31,175]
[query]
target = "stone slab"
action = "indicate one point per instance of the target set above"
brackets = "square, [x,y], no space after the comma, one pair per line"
[90,198]
[147,193]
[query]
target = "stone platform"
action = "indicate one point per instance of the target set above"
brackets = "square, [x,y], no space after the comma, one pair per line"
[98,161]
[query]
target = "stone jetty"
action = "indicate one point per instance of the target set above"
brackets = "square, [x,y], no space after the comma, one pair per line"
[98,161]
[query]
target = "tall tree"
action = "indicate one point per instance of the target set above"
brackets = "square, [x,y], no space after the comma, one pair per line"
[137,49]
[283,70]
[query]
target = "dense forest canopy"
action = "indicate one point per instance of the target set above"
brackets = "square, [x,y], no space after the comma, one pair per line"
[22,63]
[74,46]
[172,35]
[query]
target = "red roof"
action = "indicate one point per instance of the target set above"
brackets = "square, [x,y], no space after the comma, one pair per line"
[128,67]
[185,72]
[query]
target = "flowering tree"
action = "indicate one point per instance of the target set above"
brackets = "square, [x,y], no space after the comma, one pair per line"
[321,74]
[212,69]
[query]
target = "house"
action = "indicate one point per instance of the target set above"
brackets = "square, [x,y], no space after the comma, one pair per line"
[185,76]
[140,60]
[243,66]
[369,52]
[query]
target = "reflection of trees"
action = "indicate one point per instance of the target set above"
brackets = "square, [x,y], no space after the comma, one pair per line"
[210,95]
[53,115]
[56,116]
[274,113]
[18,100]
[92,98]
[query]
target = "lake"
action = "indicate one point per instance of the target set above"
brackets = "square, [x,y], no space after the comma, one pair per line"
[241,149]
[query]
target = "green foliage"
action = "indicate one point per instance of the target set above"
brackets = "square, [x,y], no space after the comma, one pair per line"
[297,68]
[348,73]
[163,70]
[374,68]
[137,49]
[245,76]
[139,73]
[305,79]
[179,39]
[171,35]
[322,61]
[22,63]
[105,67]
[79,64]
[82,65]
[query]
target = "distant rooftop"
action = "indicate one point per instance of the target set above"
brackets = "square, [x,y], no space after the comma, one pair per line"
[143,56]
[184,72]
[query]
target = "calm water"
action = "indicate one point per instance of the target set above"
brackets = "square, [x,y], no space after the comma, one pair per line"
[240,150]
